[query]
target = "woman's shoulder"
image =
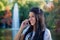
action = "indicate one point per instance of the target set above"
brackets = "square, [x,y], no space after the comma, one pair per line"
[47,32]
[47,35]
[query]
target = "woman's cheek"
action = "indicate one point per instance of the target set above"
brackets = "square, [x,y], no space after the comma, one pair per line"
[33,21]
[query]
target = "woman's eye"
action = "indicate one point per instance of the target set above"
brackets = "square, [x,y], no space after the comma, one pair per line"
[32,16]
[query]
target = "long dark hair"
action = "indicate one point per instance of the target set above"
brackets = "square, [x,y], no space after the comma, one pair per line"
[40,22]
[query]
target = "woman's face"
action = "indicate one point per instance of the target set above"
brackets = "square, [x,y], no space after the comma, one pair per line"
[32,18]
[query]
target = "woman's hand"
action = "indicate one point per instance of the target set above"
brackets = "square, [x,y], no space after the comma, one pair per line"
[24,23]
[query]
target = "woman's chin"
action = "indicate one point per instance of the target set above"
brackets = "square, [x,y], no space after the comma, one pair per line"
[32,24]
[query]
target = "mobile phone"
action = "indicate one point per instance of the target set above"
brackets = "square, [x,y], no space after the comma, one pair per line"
[29,23]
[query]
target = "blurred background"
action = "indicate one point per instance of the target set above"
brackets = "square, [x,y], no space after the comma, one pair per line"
[13,12]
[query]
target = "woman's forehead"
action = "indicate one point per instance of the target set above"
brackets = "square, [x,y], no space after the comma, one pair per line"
[31,13]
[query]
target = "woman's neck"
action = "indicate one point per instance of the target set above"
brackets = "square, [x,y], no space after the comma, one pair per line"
[34,28]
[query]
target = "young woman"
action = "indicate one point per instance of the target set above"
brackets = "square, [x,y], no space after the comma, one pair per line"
[34,28]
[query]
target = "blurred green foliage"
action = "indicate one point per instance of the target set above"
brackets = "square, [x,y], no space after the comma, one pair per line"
[2,37]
